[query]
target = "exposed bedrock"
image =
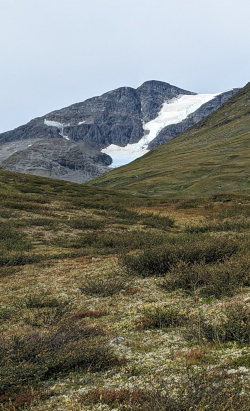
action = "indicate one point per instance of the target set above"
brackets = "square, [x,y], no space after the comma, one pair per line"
[67,143]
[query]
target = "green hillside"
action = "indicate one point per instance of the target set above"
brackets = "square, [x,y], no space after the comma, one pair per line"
[211,157]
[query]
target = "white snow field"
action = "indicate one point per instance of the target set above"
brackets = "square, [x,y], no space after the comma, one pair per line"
[56,124]
[172,112]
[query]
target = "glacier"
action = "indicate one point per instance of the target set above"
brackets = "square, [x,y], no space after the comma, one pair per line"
[172,112]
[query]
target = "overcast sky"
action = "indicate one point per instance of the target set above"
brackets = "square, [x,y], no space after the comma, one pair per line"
[58,52]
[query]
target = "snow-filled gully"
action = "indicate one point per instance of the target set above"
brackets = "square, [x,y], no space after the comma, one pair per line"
[58,125]
[172,112]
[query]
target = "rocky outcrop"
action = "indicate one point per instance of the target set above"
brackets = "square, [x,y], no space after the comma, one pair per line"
[59,158]
[153,94]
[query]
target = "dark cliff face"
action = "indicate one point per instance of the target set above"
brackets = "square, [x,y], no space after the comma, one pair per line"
[113,118]
[72,149]
[153,94]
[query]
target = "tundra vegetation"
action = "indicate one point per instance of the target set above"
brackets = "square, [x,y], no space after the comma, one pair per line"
[112,301]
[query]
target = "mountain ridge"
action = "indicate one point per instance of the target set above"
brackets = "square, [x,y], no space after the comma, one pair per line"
[117,117]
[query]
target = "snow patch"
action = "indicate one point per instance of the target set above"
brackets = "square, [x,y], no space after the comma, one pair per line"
[81,122]
[175,111]
[60,126]
[172,112]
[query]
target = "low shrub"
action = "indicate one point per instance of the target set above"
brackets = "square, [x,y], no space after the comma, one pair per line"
[43,309]
[89,313]
[227,225]
[242,361]
[216,390]
[159,260]
[14,246]
[114,242]
[232,326]
[18,259]
[157,221]
[13,240]
[32,358]
[198,390]
[8,271]
[126,216]
[23,400]
[216,280]
[40,317]
[48,223]
[115,397]
[26,206]
[236,210]
[161,317]
[86,223]
[42,300]
[5,213]
[6,313]
[192,203]
[103,286]
[150,220]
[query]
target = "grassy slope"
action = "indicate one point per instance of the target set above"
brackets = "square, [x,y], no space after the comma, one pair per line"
[77,235]
[212,157]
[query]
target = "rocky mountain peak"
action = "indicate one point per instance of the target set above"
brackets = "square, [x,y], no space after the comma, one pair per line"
[124,119]
[154,93]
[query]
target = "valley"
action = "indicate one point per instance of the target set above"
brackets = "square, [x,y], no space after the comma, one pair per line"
[125,205]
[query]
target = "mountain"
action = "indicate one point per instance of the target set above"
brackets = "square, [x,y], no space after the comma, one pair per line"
[83,140]
[211,157]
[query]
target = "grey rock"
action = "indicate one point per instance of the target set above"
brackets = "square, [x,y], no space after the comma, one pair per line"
[115,117]
[154,93]
[59,158]
[73,150]
[117,340]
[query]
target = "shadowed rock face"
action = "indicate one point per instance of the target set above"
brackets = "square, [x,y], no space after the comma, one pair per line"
[153,94]
[67,143]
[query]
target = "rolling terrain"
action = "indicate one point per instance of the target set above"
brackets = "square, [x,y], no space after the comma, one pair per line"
[211,157]
[118,301]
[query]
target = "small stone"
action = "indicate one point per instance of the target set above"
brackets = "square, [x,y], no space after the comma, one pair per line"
[117,340]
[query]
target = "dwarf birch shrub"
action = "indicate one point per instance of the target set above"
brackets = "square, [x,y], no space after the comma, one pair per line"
[232,325]
[103,286]
[195,390]
[159,260]
[35,357]
[164,317]
[224,278]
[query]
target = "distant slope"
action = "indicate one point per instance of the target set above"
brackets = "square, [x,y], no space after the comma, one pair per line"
[211,157]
